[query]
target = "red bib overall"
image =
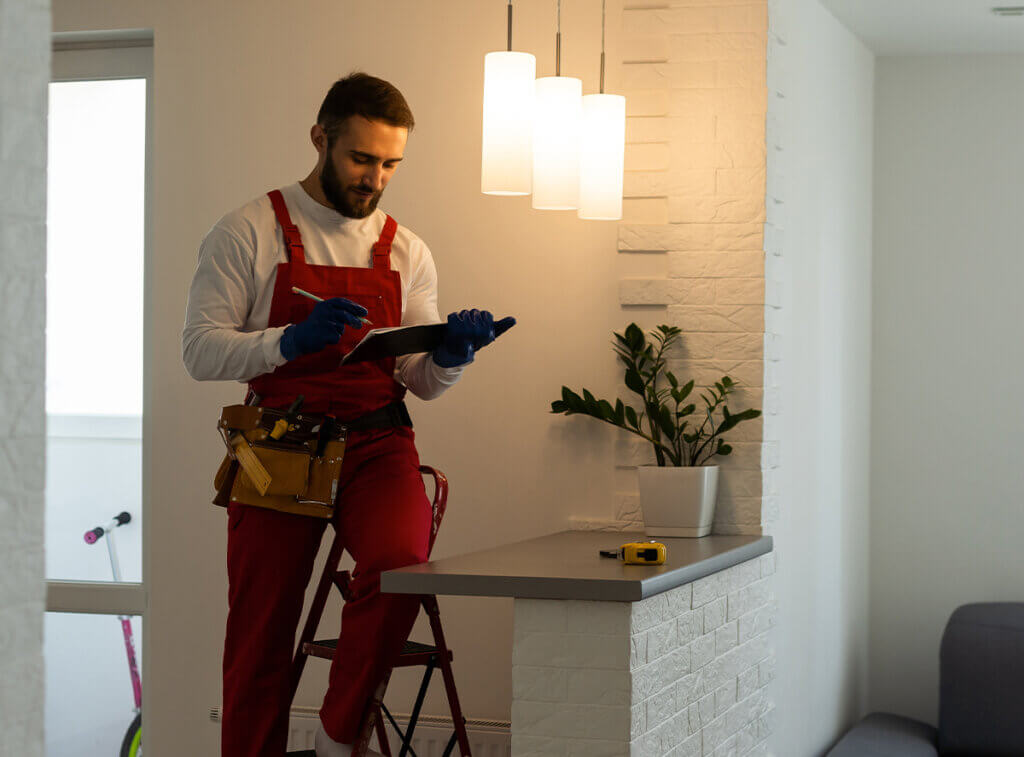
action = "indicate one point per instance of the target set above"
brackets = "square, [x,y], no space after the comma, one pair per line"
[381,511]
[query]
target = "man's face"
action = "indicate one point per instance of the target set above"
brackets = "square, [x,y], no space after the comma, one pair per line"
[360,162]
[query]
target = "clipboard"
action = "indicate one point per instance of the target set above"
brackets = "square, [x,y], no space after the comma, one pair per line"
[399,340]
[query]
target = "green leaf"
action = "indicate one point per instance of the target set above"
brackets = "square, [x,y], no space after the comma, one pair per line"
[665,421]
[672,379]
[726,381]
[723,449]
[689,438]
[669,333]
[687,410]
[634,381]
[623,353]
[607,412]
[559,406]
[685,391]
[719,387]
[746,415]
[590,402]
[631,417]
[573,400]
[620,413]
[731,421]
[634,337]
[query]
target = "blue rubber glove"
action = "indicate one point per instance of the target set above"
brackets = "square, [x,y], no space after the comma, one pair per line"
[467,332]
[324,326]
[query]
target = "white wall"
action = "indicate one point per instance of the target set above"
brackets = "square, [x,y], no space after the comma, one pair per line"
[692,236]
[24,72]
[946,512]
[236,88]
[818,269]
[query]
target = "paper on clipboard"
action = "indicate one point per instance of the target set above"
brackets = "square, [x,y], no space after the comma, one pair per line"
[399,340]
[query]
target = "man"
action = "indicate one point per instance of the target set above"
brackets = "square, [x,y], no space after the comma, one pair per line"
[325,235]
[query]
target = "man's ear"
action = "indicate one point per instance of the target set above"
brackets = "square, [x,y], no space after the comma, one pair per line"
[319,139]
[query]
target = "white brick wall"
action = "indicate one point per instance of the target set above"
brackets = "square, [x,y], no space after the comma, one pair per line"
[24,74]
[680,673]
[694,77]
[774,234]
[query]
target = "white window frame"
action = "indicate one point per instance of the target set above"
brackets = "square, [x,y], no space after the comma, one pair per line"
[91,56]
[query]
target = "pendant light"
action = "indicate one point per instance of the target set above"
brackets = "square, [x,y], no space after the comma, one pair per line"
[507,160]
[602,148]
[556,136]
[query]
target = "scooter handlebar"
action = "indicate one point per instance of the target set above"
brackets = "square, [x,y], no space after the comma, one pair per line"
[93,536]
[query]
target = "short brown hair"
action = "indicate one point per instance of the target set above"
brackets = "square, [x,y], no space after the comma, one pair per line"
[360,94]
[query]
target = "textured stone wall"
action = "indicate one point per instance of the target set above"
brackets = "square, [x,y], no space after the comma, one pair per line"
[24,74]
[694,77]
[680,674]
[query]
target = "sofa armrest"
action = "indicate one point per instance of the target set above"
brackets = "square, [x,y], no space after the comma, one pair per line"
[883,735]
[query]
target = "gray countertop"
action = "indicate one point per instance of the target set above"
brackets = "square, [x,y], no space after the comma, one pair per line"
[567,565]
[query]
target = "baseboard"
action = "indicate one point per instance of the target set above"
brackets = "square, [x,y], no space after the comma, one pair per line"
[487,738]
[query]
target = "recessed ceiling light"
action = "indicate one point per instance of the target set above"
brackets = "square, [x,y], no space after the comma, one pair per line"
[1010,11]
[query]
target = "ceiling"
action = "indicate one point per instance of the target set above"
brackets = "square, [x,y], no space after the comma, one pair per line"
[932,27]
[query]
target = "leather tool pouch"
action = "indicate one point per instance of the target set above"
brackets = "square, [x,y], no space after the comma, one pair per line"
[304,464]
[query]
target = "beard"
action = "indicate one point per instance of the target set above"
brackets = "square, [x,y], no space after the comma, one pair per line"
[344,199]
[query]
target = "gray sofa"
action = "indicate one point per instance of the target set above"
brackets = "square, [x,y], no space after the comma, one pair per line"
[981,694]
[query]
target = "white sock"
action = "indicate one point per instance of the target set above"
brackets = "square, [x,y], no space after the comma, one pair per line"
[325,746]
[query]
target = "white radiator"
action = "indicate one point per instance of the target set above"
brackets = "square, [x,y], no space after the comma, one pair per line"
[487,738]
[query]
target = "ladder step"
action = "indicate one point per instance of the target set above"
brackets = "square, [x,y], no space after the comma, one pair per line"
[412,653]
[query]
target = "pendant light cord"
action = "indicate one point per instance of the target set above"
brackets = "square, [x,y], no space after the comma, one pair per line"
[602,47]
[558,40]
[510,25]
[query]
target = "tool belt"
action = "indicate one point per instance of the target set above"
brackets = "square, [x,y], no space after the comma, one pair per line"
[297,472]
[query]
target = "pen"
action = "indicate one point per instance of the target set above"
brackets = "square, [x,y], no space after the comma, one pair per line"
[313,297]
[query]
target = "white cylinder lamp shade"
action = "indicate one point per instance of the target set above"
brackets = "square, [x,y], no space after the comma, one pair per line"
[556,143]
[602,146]
[508,123]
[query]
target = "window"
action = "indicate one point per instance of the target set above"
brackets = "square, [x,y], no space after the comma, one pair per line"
[96,252]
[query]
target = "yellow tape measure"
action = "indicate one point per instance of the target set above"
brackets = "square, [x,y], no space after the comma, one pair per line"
[639,553]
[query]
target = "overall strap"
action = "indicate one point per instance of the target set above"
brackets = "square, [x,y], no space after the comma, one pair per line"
[382,247]
[292,237]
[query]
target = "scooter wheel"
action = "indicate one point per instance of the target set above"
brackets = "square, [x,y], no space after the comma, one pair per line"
[131,746]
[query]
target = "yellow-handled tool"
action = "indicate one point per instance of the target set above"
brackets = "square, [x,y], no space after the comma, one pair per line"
[639,553]
[251,464]
[284,425]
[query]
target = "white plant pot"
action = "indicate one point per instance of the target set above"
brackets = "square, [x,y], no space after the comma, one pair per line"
[678,501]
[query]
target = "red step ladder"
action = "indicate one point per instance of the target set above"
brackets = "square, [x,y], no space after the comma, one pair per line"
[431,657]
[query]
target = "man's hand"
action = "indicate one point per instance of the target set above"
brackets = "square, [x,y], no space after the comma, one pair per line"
[469,331]
[323,327]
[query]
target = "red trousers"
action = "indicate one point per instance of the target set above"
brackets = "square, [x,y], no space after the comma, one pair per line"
[384,517]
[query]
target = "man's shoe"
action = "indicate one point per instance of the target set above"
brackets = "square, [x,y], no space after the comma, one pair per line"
[328,747]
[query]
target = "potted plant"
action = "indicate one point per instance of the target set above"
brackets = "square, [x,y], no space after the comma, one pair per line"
[677,494]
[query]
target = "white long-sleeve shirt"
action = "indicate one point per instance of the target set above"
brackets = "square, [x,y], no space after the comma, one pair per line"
[226,335]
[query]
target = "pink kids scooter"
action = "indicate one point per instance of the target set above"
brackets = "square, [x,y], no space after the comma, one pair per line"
[131,746]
